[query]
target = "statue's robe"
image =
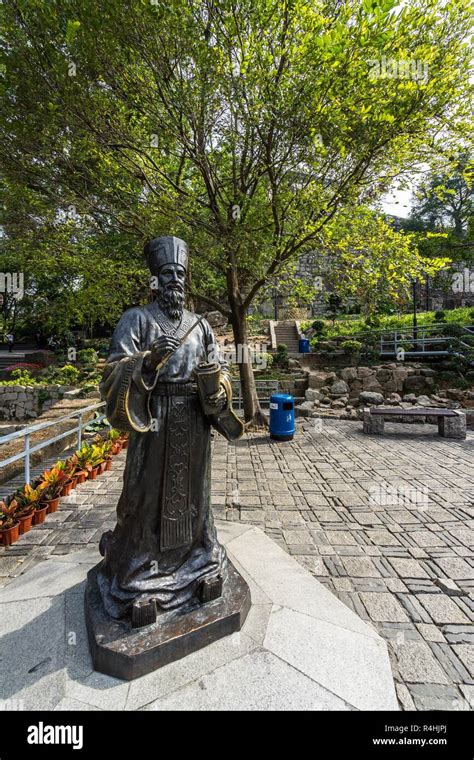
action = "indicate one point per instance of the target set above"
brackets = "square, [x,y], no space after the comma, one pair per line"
[164,543]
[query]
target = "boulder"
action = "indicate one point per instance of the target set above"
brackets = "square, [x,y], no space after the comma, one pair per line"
[319,378]
[423,401]
[455,394]
[338,388]
[311,394]
[349,373]
[305,409]
[338,404]
[416,384]
[365,372]
[216,319]
[371,398]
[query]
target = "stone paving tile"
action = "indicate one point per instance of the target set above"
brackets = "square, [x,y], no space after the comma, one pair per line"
[315,497]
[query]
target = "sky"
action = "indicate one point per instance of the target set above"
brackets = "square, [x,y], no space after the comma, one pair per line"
[397,202]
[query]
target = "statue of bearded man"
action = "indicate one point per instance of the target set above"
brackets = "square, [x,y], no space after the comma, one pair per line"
[164,546]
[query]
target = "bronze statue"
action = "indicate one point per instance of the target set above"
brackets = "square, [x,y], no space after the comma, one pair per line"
[166,385]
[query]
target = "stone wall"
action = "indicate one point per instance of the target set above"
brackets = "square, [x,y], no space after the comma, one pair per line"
[24,402]
[344,391]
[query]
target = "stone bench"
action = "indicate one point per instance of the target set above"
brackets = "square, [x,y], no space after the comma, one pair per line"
[451,422]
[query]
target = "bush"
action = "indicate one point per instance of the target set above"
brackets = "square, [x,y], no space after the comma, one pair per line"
[352,346]
[439,316]
[318,326]
[281,355]
[88,356]
[67,375]
[20,377]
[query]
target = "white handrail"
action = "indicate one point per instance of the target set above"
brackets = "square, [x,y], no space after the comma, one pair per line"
[26,433]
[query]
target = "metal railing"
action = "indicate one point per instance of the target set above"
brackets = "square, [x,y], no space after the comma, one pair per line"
[265,388]
[26,433]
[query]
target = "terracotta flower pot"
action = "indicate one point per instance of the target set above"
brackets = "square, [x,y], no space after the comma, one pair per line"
[67,488]
[74,481]
[108,464]
[39,515]
[93,473]
[124,443]
[102,467]
[10,535]
[52,505]
[81,477]
[117,448]
[25,523]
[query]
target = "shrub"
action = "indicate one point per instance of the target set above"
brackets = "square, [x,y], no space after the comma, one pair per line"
[281,355]
[318,326]
[88,356]
[352,346]
[67,375]
[439,316]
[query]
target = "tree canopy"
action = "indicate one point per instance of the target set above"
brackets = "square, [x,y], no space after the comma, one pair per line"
[244,127]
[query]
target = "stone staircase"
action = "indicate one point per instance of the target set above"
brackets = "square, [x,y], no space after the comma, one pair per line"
[287,332]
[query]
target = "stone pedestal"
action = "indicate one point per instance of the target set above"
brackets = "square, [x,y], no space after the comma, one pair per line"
[373,424]
[127,652]
[453,427]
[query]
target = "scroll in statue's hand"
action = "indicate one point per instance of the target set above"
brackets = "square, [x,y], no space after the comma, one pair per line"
[217,401]
[164,345]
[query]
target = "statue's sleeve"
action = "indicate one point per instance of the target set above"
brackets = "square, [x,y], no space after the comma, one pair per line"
[225,422]
[127,383]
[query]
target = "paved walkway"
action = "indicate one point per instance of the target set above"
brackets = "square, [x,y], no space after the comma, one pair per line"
[386,523]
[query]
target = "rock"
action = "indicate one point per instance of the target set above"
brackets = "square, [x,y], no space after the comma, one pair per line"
[305,409]
[326,401]
[216,319]
[426,372]
[383,375]
[294,364]
[455,394]
[422,401]
[338,388]
[349,373]
[311,394]
[453,405]
[365,372]
[416,384]
[72,394]
[338,404]
[369,397]
[319,378]
[409,398]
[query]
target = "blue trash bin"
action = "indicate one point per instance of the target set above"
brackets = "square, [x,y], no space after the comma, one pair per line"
[282,416]
[303,346]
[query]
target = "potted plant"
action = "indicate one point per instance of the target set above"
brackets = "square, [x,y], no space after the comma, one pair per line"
[107,454]
[25,512]
[51,484]
[114,436]
[9,522]
[124,440]
[96,460]
[68,466]
[84,466]
[29,497]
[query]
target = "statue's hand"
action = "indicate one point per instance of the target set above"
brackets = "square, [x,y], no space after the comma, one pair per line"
[217,400]
[159,348]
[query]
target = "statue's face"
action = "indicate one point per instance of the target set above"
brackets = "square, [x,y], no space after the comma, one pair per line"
[172,277]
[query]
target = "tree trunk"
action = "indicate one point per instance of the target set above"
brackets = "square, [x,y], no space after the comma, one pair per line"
[255,419]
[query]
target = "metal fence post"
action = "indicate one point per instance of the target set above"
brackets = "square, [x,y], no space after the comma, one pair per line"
[79,430]
[27,458]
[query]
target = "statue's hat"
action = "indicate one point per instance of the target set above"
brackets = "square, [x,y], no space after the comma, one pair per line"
[166,250]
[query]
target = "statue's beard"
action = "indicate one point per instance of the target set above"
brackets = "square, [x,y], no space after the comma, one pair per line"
[171,301]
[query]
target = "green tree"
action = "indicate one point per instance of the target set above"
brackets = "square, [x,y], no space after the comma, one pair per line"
[244,127]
